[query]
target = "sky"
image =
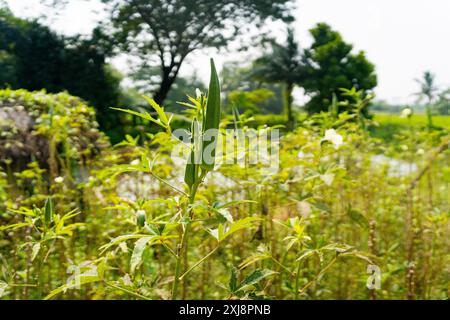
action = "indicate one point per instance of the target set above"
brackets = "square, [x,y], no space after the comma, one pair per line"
[403,38]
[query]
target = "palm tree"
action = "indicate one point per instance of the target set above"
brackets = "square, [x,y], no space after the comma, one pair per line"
[427,91]
[283,64]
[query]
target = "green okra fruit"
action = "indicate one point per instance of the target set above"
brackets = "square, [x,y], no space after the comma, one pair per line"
[212,121]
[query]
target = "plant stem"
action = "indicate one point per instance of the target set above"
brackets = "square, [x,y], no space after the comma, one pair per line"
[182,247]
[325,269]
[297,280]
[137,295]
[168,184]
[199,262]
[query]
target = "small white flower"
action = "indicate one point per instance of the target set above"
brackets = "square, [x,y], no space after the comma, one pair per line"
[59,179]
[327,178]
[301,155]
[127,280]
[135,162]
[198,93]
[335,138]
[406,112]
[304,208]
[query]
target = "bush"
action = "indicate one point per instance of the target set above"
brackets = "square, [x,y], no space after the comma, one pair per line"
[47,128]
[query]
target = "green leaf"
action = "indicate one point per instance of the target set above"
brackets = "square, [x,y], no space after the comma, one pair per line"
[233,280]
[226,214]
[255,277]
[145,116]
[136,257]
[48,211]
[81,280]
[234,202]
[307,253]
[246,223]
[262,254]
[3,288]
[121,239]
[16,226]
[236,118]
[358,217]
[35,251]
[321,206]
[212,120]
[159,110]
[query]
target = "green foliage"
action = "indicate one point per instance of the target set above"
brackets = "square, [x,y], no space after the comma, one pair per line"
[249,101]
[154,33]
[442,105]
[330,66]
[239,87]
[283,65]
[33,57]
[129,227]
[55,130]
[387,126]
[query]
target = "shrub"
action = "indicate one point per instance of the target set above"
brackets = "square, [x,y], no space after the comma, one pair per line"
[47,128]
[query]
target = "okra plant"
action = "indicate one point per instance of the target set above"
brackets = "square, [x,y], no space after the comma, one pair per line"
[172,233]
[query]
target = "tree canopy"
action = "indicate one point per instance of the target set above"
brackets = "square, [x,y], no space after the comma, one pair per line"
[33,57]
[330,66]
[282,65]
[163,33]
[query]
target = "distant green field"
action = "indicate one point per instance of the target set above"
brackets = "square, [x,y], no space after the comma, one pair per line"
[390,124]
[417,119]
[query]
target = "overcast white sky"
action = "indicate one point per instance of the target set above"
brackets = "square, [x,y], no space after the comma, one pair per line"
[402,37]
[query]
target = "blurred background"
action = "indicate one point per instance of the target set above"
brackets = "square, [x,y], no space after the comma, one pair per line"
[360,91]
[110,52]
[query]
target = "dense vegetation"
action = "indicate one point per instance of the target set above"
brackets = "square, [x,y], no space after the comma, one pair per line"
[135,223]
[230,191]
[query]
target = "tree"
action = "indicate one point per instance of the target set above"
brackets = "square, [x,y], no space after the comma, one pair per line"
[33,57]
[330,66]
[170,30]
[428,92]
[282,65]
[443,103]
[237,76]
[249,101]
